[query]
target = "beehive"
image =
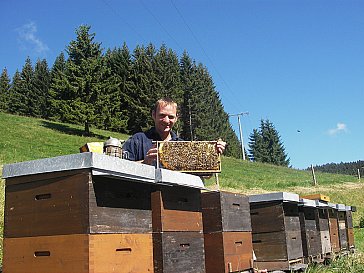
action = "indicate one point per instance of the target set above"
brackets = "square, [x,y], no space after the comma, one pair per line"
[190,156]
[311,239]
[334,228]
[277,240]
[324,227]
[342,223]
[227,232]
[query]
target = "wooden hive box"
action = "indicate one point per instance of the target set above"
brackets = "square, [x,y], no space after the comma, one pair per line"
[176,209]
[343,236]
[75,202]
[311,239]
[277,240]
[324,226]
[349,226]
[178,252]
[79,253]
[228,252]
[224,211]
[334,228]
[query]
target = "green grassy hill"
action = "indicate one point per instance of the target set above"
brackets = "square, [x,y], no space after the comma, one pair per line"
[23,139]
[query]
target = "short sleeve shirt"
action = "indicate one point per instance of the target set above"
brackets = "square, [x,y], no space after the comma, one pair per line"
[137,146]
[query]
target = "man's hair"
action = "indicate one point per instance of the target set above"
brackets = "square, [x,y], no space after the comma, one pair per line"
[164,102]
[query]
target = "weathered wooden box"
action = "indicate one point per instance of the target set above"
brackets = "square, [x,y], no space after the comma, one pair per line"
[311,239]
[79,253]
[334,228]
[178,252]
[228,252]
[75,202]
[349,226]
[176,209]
[224,211]
[277,240]
[342,222]
[324,226]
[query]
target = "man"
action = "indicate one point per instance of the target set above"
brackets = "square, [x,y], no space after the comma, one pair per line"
[140,147]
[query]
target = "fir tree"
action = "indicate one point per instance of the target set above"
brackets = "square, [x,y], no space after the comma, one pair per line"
[57,87]
[266,146]
[40,94]
[4,91]
[84,82]
[16,99]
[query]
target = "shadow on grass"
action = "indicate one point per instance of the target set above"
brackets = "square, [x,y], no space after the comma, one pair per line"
[63,128]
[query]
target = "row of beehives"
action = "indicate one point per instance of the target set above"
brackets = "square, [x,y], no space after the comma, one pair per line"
[74,222]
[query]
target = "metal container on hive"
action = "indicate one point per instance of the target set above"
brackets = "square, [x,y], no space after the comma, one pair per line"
[277,241]
[227,232]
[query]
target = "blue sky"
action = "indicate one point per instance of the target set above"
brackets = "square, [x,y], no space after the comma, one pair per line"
[298,63]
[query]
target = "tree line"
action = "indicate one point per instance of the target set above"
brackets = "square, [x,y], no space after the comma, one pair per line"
[115,89]
[349,168]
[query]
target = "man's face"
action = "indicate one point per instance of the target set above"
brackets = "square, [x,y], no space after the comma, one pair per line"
[164,118]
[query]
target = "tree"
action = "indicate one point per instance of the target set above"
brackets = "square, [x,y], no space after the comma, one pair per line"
[84,80]
[4,91]
[266,146]
[16,100]
[57,87]
[40,95]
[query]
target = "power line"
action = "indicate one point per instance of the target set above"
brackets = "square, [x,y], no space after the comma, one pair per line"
[203,50]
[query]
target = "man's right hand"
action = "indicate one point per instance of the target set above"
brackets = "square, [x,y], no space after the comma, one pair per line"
[151,156]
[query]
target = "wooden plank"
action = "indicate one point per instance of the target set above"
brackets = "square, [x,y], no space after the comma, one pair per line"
[117,206]
[294,244]
[121,253]
[349,219]
[178,252]
[270,246]
[334,235]
[46,254]
[267,217]
[325,242]
[224,211]
[350,234]
[57,205]
[79,253]
[176,209]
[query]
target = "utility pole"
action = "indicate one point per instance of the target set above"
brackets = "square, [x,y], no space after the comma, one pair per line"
[241,131]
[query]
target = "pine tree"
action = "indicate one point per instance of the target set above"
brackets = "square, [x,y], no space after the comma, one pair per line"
[16,99]
[57,88]
[84,82]
[120,64]
[266,146]
[40,94]
[4,91]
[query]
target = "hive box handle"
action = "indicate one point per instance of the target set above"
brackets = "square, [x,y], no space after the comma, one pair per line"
[43,196]
[124,250]
[42,253]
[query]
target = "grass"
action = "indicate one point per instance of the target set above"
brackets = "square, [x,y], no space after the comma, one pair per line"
[29,138]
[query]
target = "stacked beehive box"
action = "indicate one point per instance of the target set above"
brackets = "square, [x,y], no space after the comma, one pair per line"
[342,223]
[324,227]
[277,241]
[88,213]
[68,219]
[334,228]
[349,226]
[177,230]
[311,239]
[227,232]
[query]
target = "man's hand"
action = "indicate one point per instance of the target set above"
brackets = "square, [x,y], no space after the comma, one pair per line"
[220,146]
[151,156]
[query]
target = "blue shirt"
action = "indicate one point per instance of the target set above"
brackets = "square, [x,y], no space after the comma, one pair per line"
[137,146]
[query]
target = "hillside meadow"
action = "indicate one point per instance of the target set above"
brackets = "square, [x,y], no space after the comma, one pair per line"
[23,139]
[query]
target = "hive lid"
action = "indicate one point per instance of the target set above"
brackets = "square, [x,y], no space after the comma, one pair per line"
[307,203]
[321,204]
[340,207]
[102,165]
[332,205]
[275,196]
